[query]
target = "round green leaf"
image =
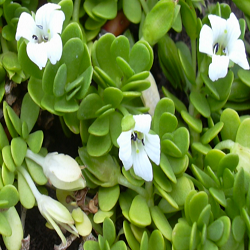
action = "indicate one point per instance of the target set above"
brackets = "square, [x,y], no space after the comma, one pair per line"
[99,145]
[15,240]
[5,228]
[211,133]
[107,197]
[18,150]
[139,212]
[10,194]
[158,21]
[200,103]
[161,222]
[27,198]
[132,10]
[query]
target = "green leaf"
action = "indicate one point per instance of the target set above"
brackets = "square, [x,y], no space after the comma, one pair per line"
[200,103]
[132,242]
[139,58]
[215,230]
[181,236]
[73,29]
[100,127]
[158,21]
[14,241]
[238,228]
[107,197]
[89,106]
[156,240]
[105,9]
[10,194]
[211,133]
[231,121]
[5,228]
[189,18]
[18,150]
[35,141]
[195,124]
[139,212]
[132,10]
[109,232]
[115,128]
[197,203]
[8,159]
[27,198]
[99,145]
[67,8]
[29,111]
[243,135]
[161,223]
[72,56]
[14,119]
[3,138]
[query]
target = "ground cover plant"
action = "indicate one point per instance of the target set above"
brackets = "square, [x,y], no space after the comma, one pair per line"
[124,124]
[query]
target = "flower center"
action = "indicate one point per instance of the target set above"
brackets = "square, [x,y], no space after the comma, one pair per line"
[40,36]
[137,137]
[219,49]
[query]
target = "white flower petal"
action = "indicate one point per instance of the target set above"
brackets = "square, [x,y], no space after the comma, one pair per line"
[43,14]
[37,53]
[141,164]
[153,148]
[233,29]
[26,27]
[218,67]
[238,55]
[125,151]
[219,26]
[54,49]
[142,123]
[206,40]
[56,22]
[64,167]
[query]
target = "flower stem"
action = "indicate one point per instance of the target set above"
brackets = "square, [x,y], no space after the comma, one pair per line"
[149,189]
[30,182]
[193,49]
[35,157]
[75,16]
[124,182]
[144,6]
[123,110]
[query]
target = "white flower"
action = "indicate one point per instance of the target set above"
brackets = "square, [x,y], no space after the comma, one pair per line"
[222,44]
[62,170]
[42,32]
[52,210]
[56,215]
[136,145]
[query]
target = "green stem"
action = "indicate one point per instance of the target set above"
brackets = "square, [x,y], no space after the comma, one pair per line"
[124,182]
[193,49]
[75,16]
[30,182]
[123,110]
[144,6]
[149,189]
[35,157]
